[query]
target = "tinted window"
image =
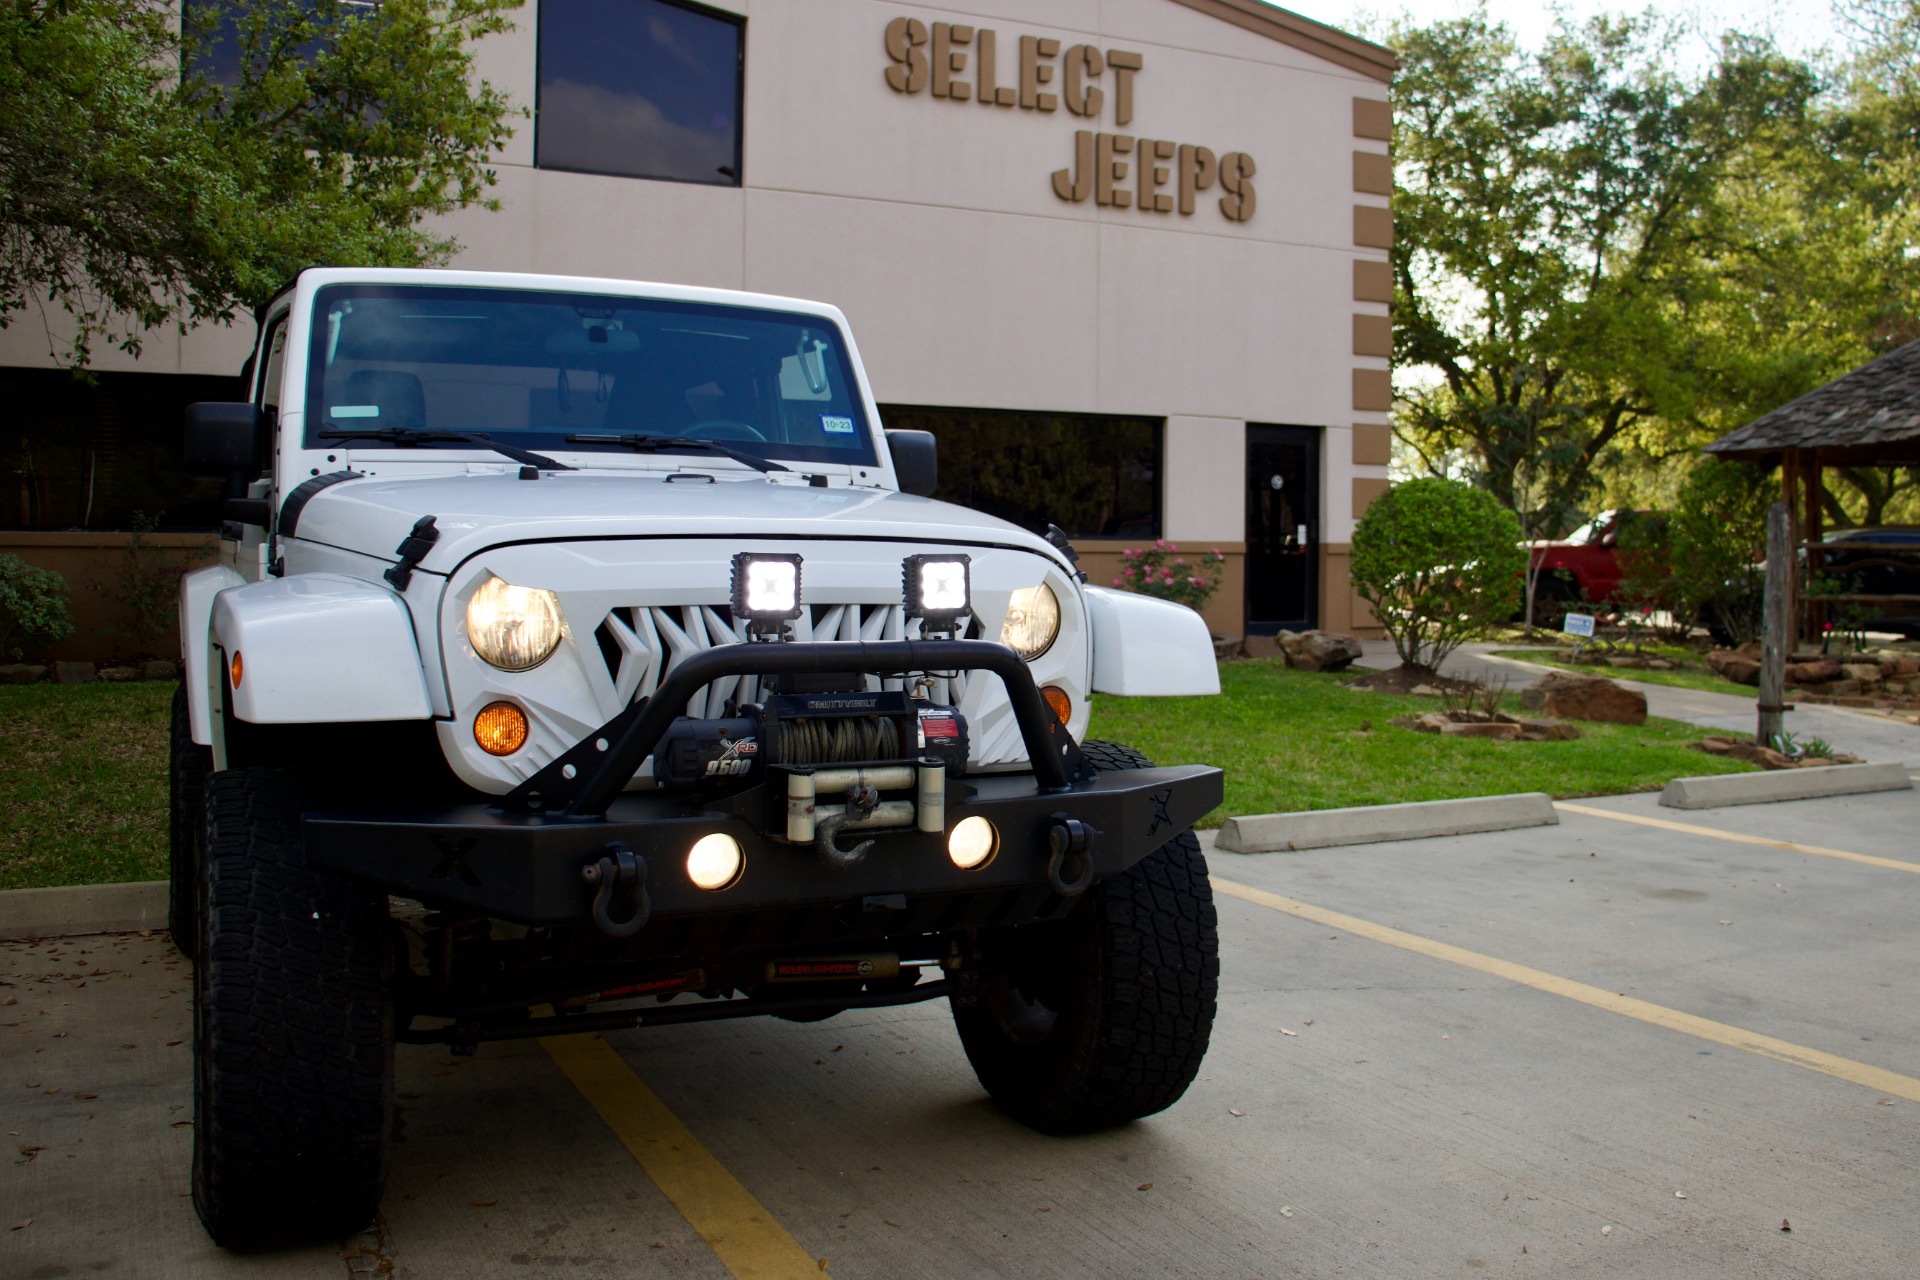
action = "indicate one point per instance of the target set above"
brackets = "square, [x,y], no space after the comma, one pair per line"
[1094,475]
[532,368]
[639,88]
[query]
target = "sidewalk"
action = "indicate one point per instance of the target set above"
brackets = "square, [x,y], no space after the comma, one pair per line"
[1874,738]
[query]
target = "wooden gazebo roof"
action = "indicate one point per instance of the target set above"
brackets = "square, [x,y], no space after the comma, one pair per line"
[1871,415]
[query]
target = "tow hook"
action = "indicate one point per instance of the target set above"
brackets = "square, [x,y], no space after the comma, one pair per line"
[1071,850]
[624,872]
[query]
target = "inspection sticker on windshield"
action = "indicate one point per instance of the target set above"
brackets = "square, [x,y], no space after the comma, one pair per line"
[835,426]
[1577,624]
[355,411]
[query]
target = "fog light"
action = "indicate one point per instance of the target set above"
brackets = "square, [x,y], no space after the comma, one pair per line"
[972,843]
[715,860]
[500,728]
[235,670]
[1057,699]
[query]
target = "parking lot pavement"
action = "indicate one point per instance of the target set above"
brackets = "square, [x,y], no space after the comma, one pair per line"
[1544,1052]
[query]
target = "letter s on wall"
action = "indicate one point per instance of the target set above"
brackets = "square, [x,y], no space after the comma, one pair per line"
[906,45]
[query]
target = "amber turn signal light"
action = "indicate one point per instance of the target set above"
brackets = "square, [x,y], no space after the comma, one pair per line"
[234,669]
[1057,699]
[500,728]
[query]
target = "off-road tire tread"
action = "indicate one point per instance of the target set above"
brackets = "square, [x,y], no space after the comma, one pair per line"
[293,1034]
[1152,988]
[188,764]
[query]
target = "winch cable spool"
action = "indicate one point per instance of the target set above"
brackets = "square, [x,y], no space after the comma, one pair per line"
[834,741]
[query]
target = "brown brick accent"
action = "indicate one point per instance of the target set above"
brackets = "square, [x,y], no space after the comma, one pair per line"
[1372,444]
[1372,281]
[1372,390]
[1373,172]
[1372,226]
[1365,490]
[1372,336]
[1372,118]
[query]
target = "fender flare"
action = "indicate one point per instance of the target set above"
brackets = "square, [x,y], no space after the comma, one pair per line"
[1149,648]
[197,591]
[319,648]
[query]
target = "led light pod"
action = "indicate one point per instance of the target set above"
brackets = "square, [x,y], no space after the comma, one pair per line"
[937,589]
[765,590]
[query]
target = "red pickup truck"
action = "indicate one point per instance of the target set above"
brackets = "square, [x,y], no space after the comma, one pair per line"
[1581,569]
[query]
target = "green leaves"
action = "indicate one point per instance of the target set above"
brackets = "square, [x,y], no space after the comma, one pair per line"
[1438,561]
[132,195]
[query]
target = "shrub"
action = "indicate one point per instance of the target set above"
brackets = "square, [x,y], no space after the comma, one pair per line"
[1160,570]
[146,586]
[33,608]
[1439,562]
[1719,536]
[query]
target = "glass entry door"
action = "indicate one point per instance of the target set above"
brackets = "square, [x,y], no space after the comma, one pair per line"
[1283,529]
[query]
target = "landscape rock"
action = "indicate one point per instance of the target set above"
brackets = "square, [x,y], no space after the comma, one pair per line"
[1718,658]
[1498,731]
[1818,672]
[1894,667]
[1740,671]
[1864,672]
[1319,650]
[1429,722]
[1547,730]
[1843,689]
[1564,695]
[22,673]
[1424,691]
[164,669]
[74,672]
[1261,646]
[120,675]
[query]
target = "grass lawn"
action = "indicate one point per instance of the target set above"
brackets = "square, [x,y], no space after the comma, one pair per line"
[1293,740]
[83,783]
[1693,675]
[83,780]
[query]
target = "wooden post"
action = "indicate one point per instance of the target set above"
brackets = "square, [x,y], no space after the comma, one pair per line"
[1797,624]
[1810,535]
[1774,639]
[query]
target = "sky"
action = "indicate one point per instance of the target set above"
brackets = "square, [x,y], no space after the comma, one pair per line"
[1798,26]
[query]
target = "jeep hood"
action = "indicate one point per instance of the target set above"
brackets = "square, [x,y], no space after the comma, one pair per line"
[371,515]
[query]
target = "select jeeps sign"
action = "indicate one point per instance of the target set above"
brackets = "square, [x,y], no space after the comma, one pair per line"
[962,64]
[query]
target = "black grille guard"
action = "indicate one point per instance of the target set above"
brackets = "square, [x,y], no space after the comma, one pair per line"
[586,779]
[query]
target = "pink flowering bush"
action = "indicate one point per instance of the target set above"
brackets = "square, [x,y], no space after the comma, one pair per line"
[1160,570]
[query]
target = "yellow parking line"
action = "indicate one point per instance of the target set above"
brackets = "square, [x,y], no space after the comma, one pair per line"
[737,1227]
[1892,863]
[1847,1069]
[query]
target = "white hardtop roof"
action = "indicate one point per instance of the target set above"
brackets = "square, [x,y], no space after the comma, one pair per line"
[317,277]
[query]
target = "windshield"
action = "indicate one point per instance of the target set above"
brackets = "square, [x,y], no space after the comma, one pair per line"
[530,368]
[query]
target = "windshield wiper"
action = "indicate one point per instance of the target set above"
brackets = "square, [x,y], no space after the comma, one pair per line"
[419,435]
[644,443]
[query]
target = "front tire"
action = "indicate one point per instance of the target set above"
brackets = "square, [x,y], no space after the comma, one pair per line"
[188,764]
[1103,1017]
[293,1029]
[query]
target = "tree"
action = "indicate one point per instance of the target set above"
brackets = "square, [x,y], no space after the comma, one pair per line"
[134,194]
[1551,220]
[1438,562]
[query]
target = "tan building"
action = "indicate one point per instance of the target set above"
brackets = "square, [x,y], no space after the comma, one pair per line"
[1128,258]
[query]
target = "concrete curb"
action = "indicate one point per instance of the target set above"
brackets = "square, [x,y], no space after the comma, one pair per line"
[1372,824]
[86,908]
[1784,784]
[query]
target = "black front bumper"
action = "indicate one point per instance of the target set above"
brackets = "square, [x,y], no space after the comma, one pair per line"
[522,859]
[528,867]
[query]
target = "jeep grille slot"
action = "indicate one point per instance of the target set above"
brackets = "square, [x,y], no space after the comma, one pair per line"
[640,645]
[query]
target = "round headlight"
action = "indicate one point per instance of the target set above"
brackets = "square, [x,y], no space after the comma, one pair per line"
[1033,620]
[513,628]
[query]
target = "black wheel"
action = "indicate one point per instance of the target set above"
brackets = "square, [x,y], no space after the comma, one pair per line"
[293,1030]
[1102,1017]
[188,764]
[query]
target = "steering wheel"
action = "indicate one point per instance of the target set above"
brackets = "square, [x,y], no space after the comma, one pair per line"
[723,429]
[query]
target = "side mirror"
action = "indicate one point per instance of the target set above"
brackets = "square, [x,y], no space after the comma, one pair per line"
[224,438]
[916,461]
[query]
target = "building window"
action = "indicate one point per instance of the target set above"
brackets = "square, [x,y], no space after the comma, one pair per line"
[1094,475]
[640,89]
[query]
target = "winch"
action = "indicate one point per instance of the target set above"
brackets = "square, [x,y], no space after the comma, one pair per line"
[850,760]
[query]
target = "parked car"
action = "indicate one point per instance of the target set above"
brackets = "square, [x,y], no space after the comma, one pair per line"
[1876,560]
[1582,569]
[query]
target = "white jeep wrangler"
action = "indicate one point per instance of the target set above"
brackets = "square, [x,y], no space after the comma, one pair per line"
[584,655]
